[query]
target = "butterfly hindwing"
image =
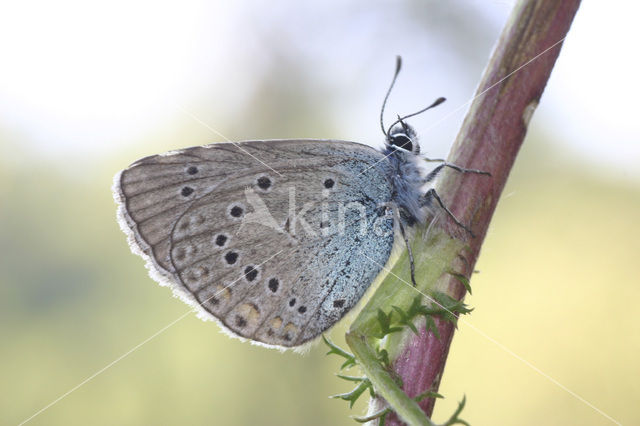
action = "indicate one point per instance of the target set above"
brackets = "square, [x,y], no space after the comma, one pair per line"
[275,239]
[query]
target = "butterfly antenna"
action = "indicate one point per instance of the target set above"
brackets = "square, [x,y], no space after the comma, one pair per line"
[433,105]
[384,103]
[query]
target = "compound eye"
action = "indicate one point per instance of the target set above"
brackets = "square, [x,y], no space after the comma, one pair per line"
[402,141]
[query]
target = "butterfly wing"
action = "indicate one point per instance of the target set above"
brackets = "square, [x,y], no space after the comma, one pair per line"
[277,240]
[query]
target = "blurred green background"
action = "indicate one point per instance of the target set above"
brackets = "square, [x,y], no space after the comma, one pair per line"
[87,88]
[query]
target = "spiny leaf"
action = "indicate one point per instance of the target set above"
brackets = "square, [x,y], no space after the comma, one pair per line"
[406,319]
[382,414]
[385,324]
[449,303]
[427,394]
[351,378]
[450,308]
[355,393]
[446,307]
[384,320]
[335,349]
[414,309]
[431,326]
[454,419]
[463,280]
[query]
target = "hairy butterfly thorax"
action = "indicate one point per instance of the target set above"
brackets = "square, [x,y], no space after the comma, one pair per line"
[402,150]
[411,201]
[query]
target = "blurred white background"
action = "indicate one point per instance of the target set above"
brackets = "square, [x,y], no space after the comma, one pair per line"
[85,79]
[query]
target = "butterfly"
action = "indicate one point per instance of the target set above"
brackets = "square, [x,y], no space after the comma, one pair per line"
[277,240]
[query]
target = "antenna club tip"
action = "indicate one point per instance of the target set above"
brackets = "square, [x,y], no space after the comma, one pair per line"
[398,63]
[439,101]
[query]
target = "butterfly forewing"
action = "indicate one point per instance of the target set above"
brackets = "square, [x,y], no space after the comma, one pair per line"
[275,239]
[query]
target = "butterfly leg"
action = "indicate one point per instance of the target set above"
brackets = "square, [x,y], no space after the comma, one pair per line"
[433,195]
[411,262]
[433,173]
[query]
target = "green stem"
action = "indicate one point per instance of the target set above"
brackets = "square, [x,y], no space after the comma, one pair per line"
[436,253]
[384,383]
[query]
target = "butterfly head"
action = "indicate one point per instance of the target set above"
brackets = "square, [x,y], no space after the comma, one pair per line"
[402,137]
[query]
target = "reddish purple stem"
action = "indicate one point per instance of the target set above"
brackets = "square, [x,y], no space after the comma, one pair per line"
[489,140]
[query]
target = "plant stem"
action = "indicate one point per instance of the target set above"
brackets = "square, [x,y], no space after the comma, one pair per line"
[489,140]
